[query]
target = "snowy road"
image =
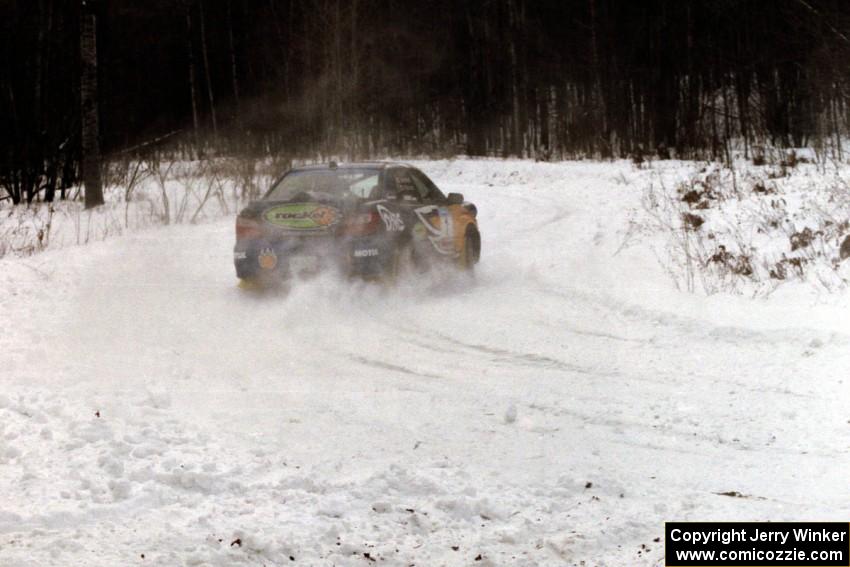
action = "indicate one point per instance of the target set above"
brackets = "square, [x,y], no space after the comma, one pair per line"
[557,411]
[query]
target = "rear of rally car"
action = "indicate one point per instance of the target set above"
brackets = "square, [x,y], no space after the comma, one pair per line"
[312,220]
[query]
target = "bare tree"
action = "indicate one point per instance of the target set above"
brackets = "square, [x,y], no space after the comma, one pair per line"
[190,52]
[89,111]
[232,52]
[207,73]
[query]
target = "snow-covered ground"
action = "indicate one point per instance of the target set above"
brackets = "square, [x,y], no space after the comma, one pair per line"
[556,412]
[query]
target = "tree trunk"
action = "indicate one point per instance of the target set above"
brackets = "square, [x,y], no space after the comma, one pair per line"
[88,98]
[354,70]
[190,52]
[233,74]
[598,102]
[511,30]
[207,70]
[475,93]
[49,149]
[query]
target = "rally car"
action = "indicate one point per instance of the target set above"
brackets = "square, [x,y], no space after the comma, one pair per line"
[363,219]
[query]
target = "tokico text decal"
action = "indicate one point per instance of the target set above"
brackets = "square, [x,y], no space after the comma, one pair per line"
[302,216]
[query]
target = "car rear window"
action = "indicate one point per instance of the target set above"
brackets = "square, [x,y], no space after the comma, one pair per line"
[333,183]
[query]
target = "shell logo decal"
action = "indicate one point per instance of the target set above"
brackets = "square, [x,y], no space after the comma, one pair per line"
[302,216]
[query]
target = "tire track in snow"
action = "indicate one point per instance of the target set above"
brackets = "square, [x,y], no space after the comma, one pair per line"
[698,328]
[382,365]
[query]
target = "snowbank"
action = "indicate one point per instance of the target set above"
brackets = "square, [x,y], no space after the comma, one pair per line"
[751,229]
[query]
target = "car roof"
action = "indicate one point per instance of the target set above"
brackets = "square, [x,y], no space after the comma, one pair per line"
[377,165]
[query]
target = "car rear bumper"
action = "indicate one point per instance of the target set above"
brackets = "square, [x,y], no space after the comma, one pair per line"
[368,256]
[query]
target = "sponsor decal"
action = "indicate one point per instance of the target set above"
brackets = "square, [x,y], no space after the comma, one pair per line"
[302,216]
[392,220]
[267,259]
[440,228]
[240,255]
[365,252]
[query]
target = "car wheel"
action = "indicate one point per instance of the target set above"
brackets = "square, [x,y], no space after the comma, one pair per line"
[469,254]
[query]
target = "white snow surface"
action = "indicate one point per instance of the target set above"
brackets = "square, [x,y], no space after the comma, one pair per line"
[555,411]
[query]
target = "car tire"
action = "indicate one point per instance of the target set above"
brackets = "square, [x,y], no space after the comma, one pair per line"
[471,250]
[401,263]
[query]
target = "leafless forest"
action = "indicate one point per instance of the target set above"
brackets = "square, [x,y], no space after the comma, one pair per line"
[574,78]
